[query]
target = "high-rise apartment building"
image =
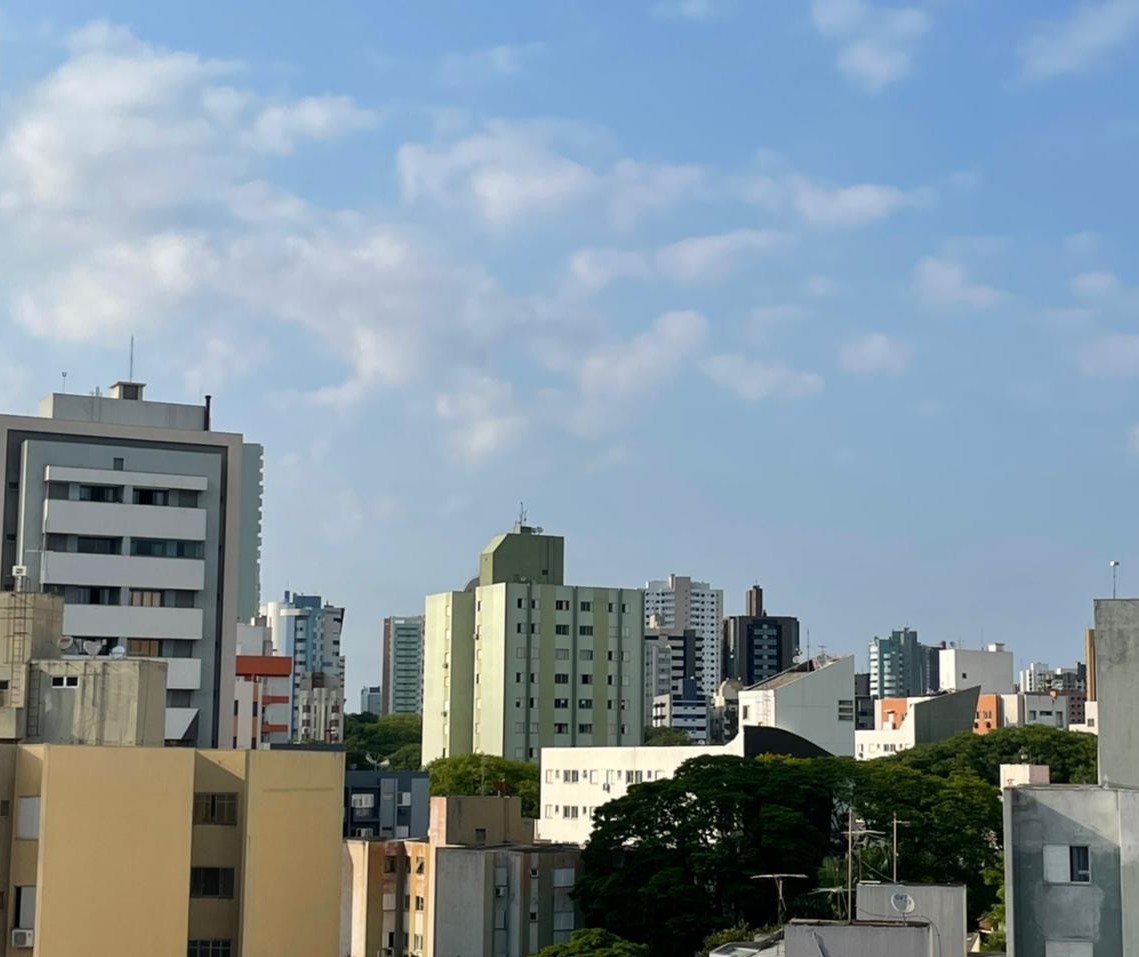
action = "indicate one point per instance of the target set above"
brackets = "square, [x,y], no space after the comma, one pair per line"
[209,853]
[306,629]
[403,665]
[756,645]
[372,700]
[679,603]
[519,660]
[148,524]
[899,665]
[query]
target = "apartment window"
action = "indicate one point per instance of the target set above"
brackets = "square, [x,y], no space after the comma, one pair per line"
[65,681]
[28,818]
[117,464]
[585,704]
[211,882]
[89,545]
[389,864]
[480,835]
[100,493]
[563,877]
[419,864]
[142,598]
[587,606]
[151,496]
[561,703]
[585,630]
[585,654]
[587,679]
[209,948]
[26,906]
[143,647]
[561,604]
[561,679]
[585,729]
[561,727]
[561,629]
[417,942]
[521,603]
[218,808]
[561,654]
[418,903]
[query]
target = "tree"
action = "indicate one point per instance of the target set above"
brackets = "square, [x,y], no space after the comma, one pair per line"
[381,738]
[486,774]
[592,942]
[672,861]
[666,736]
[407,758]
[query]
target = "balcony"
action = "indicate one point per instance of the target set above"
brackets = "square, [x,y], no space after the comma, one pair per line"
[112,520]
[177,721]
[81,476]
[182,674]
[123,571]
[126,621]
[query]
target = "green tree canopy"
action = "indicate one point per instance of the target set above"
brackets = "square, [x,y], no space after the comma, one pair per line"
[486,774]
[666,736]
[592,942]
[1070,755]
[381,738]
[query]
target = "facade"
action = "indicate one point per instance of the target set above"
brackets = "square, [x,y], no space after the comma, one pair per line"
[942,905]
[403,665]
[679,604]
[520,661]
[147,523]
[381,805]
[724,712]
[674,680]
[862,938]
[903,722]
[307,630]
[203,853]
[898,665]
[989,668]
[814,700]
[757,646]
[476,885]
[372,700]
[1041,676]
[687,714]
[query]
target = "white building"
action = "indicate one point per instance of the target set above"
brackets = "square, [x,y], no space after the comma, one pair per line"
[989,668]
[306,629]
[782,718]
[520,661]
[900,723]
[372,699]
[262,691]
[679,603]
[689,715]
[1090,724]
[148,523]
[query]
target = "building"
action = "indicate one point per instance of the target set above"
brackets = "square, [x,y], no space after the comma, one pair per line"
[403,665]
[680,604]
[687,713]
[864,702]
[201,851]
[813,699]
[863,938]
[386,805]
[898,665]
[942,905]
[724,712]
[989,668]
[1041,676]
[1070,875]
[903,722]
[674,680]
[520,661]
[778,717]
[262,691]
[476,885]
[307,629]
[147,522]
[756,645]
[372,700]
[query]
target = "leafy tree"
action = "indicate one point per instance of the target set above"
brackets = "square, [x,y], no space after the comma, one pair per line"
[379,737]
[726,936]
[672,861]
[486,774]
[666,736]
[407,758]
[592,942]
[1070,755]
[994,933]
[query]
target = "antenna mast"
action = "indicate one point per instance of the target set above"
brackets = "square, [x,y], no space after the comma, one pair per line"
[130,378]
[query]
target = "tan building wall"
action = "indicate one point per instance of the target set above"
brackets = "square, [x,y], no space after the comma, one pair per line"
[120,831]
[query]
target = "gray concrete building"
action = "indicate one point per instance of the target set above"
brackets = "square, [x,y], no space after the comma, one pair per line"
[403,665]
[147,523]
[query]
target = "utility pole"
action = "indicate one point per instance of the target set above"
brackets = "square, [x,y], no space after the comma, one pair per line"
[850,866]
[896,823]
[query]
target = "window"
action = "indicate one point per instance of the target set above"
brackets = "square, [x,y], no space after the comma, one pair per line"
[561,702]
[217,808]
[65,681]
[561,679]
[142,598]
[389,865]
[209,948]
[418,903]
[561,629]
[100,493]
[87,545]
[211,882]
[561,604]
[480,835]
[561,727]
[362,801]
[587,679]
[28,818]
[585,729]
[1068,948]
[585,704]
[585,654]
[143,647]
[521,603]
[561,654]
[585,630]
[117,464]
[419,864]
[26,906]
[1067,864]
[151,496]
[587,606]
[563,877]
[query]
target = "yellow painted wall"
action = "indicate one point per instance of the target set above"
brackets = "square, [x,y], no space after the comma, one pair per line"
[290,880]
[114,854]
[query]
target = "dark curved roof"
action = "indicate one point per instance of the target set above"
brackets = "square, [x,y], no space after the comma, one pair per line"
[759,741]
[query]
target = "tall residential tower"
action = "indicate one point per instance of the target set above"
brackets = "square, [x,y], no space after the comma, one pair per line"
[403,665]
[679,603]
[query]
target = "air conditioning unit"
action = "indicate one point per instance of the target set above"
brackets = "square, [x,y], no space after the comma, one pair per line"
[500,892]
[533,872]
[23,938]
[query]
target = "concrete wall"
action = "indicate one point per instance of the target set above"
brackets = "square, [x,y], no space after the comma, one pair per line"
[1037,911]
[859,940]
[942,905]
[1117,675]
[807,705]
[448,674]
[940,717]
[115,702]
[962,668]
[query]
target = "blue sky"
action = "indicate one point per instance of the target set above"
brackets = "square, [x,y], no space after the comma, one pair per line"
[837,296]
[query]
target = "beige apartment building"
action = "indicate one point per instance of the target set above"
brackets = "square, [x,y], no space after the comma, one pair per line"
[478,885]
[138,851]
[519,660]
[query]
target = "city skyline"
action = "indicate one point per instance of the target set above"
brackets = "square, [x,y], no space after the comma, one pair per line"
[836,289]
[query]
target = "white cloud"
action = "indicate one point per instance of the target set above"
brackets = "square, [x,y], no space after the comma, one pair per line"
[755,379]
[279,128]
[639,188]
[692,9]
[505,172]
[479,66]
[1083,39]
[877,45]
[765,318]
[1112,357]
[1094,285]
[945,282]
[482,417]
[594,268]
[875,353]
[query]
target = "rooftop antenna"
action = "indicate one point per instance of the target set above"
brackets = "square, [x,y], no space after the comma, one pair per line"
[130,378]
[521,513]
[64,374]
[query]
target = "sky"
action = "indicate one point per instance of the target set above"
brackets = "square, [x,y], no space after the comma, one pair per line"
[836,296]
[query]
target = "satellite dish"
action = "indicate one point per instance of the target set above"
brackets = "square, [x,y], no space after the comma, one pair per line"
[91,648]
[902,903]
[118,652]
[65,642]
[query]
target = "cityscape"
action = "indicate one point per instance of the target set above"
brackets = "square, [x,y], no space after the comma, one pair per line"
[568,479]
